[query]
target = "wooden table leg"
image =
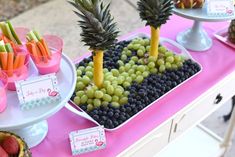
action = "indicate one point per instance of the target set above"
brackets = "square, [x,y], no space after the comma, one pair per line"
[227,142]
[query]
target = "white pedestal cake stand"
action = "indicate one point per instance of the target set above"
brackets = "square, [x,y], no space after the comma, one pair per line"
[31,124]
[196,38]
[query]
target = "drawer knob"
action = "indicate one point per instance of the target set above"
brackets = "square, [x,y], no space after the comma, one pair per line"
[218,99]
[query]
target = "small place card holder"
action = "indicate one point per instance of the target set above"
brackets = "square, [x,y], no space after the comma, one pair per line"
[220,8]
[87,140]
[38,91]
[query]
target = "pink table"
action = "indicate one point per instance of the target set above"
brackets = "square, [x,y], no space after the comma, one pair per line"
[217,63]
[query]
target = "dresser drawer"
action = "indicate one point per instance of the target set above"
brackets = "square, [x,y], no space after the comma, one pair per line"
[203,106]
[150,144]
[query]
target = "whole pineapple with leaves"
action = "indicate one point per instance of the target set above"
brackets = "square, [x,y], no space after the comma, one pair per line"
[156,13]
[98,31]
[231,32]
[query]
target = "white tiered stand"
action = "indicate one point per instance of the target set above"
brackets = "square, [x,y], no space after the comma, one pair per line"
[32,124]
[196,38]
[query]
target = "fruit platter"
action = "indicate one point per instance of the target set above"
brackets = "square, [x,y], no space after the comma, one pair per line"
[227,35]
[119,80]
[196,38]
[24,55]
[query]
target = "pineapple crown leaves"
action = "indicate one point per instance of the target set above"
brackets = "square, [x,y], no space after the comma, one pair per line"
[155,12]
[99,32]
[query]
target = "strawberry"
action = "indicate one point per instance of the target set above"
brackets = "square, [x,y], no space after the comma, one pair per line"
[3,153]
[10,145]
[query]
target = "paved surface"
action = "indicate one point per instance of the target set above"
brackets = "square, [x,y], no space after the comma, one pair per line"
[56,17]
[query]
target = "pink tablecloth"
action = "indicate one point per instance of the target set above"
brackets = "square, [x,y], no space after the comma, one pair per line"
[217,62]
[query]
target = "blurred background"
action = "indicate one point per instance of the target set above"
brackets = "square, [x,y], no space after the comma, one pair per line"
[56,17]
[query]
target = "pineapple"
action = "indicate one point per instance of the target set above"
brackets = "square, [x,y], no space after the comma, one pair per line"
[231,32]
[98,31]
[156,13]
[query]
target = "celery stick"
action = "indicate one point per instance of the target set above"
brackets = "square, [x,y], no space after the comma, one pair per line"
[3,28]
[39,37]
[14,33]
[9,35]
[2,42]
[32,36]
[8,47]
[2,48]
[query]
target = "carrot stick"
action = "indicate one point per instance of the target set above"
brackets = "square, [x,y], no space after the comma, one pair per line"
[32,48]
[43,51]
[46,48]
[21,61]
[3,59]
[16,62]
[10,59]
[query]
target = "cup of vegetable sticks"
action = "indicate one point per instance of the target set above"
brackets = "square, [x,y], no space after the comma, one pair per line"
[14,64]
[45,51]
[3,85]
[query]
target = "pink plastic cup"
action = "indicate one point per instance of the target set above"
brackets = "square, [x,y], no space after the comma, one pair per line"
[21,73]
[55,44]
[3,85]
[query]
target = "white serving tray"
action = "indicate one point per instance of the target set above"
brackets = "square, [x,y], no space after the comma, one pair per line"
[180,51]
[222,35]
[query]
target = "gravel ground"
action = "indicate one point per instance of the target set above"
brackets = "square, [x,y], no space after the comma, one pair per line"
[12,8]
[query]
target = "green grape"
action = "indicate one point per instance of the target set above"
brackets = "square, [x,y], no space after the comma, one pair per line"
[121,69]
[152,59]
[99,94]
[140,53]
[131,71]
[123,57]
[115,98]
[127,66]
[103,90]
[168,65]
[89,74]
[123,100]
[106,70]
[80,85]
[151,65]
[153,71]
[115,104]
[115,72]
[90,93]
[86,80]
[179,64]
[146,42]
[162,68]
[79,72]
[126,93]
[174,66]
[145,74]
[125,74]
[94,87]
[168,53]
[84,99]
[142,42]
[133,76]
[138,73]
[177,58]
[120,79]
[110,89]
[131,62]
[89,68]
[134,67]
[147,48]
[90,107]
[136,46]
[160,62]
[128,53]
[125,49]
[120,62]
[141,61]
[106,83]
[141,68]
[142,48]
[79,78]
[126,84]
[139,79]
[76,100]
[170,59]
[130,46]
[134,58]
[89,101]
[91,64]
[129,79]
[82,68]
[162,49]
[118,91]
[115,82]
[105,104]
[107,98]
[97,103]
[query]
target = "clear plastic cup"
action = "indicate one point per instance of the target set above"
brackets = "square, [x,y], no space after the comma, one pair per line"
[3,85]
[21,73]
[52,65]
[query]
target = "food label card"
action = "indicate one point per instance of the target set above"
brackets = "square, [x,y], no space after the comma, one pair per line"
[38,91]
[87,140]
[220,8]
